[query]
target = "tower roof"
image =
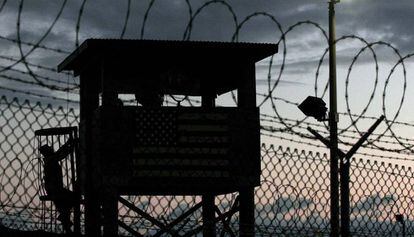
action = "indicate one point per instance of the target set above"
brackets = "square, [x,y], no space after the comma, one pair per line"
[197,62]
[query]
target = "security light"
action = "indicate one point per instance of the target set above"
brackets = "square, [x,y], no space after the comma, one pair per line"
[314,107]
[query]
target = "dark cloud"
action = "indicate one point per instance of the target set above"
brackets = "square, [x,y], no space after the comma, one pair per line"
[377,20]
[389,21]
[373,19]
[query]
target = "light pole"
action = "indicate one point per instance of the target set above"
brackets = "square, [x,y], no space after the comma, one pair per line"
[333,123]
[315,107]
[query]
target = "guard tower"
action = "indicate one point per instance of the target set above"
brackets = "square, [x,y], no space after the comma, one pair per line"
[150,149]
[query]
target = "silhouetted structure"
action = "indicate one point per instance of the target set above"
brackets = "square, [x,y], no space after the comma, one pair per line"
[157,150]
[65,198]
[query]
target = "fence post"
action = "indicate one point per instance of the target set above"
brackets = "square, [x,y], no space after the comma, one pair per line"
[333,124]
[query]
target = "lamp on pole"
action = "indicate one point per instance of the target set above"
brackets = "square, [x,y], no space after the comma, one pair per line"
[315,107]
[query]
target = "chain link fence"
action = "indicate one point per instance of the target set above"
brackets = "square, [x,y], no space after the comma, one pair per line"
[293,198]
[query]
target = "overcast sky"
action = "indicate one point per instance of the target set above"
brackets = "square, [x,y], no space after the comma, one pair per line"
[374,20]
[385,20]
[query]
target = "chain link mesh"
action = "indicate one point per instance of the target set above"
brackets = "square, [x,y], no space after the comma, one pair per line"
[293,197]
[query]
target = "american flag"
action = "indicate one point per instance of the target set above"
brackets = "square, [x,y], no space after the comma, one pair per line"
[182,142]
